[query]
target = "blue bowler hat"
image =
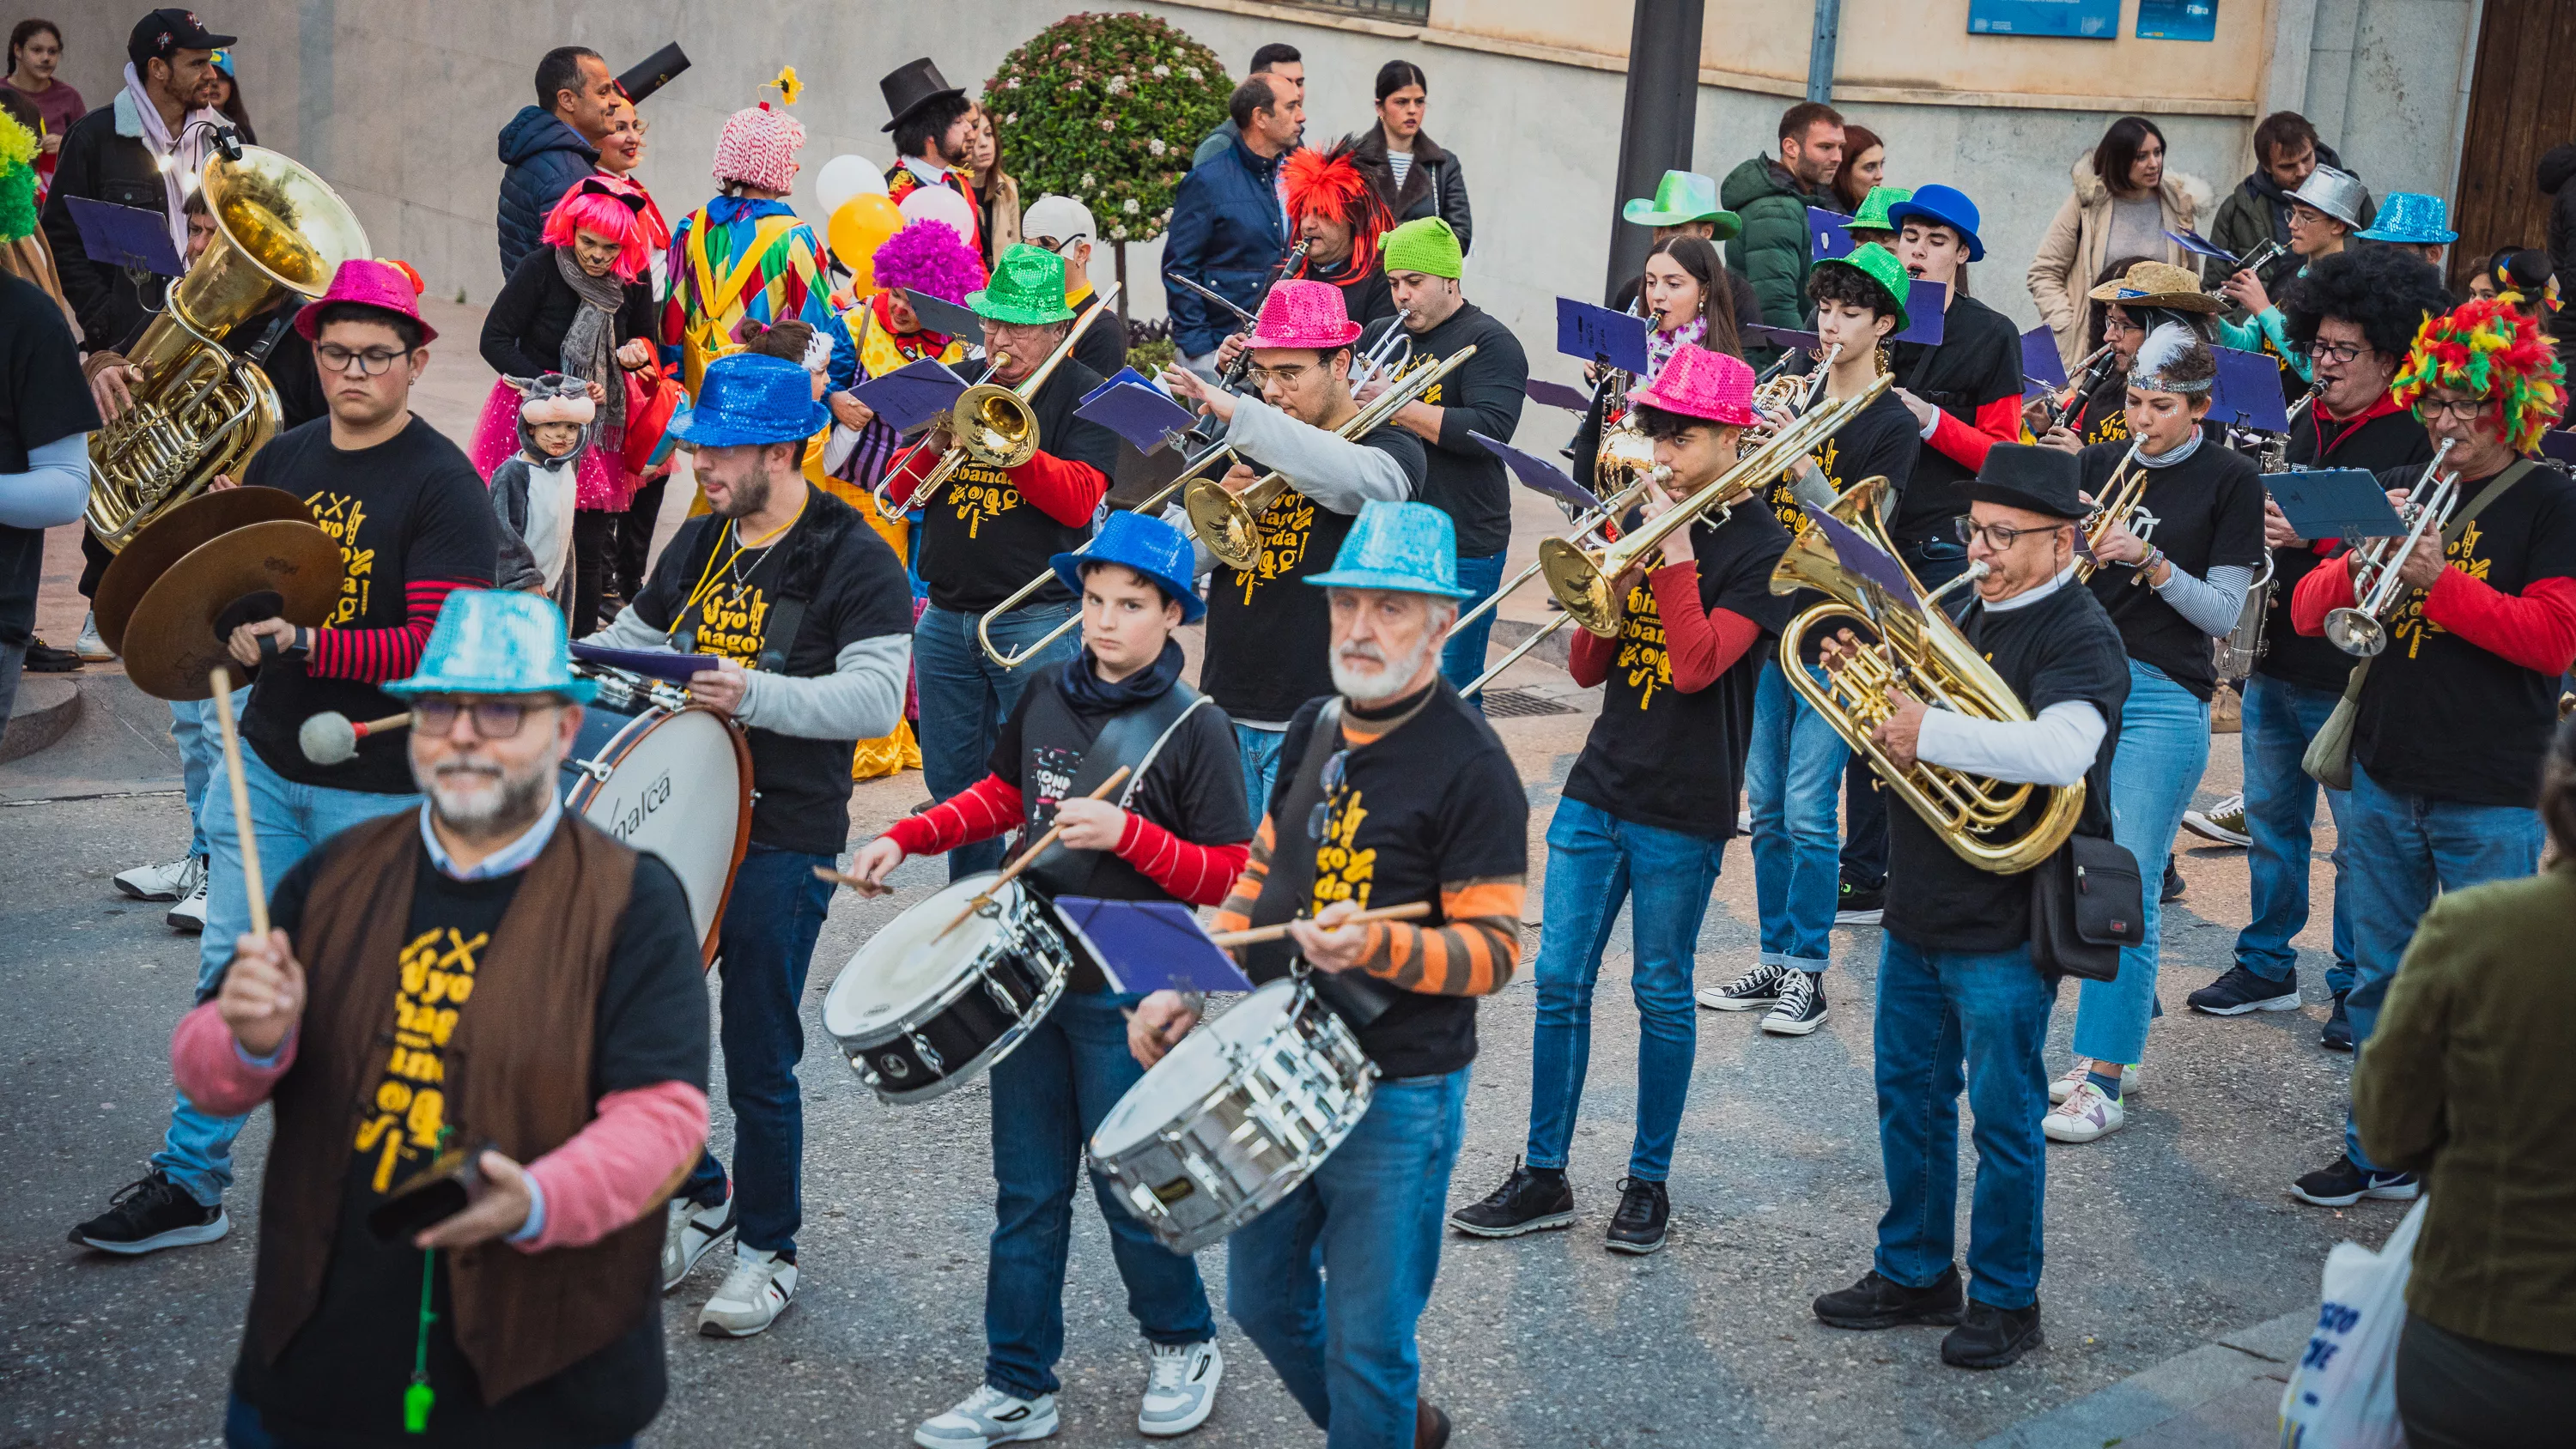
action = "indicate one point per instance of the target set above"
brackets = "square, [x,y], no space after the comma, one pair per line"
[1146,544]
[1946,205]
[747,398]
[495,641]
[2413,218]
[1405,548]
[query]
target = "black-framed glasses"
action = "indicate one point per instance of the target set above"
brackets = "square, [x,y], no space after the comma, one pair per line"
[1999,536]
[371,363]
[494,719]
[2467,410]
[2338,351]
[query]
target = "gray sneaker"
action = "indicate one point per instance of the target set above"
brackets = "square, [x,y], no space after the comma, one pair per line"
[988,1417]
[1180,1388]
[755,1293]
[688,1234]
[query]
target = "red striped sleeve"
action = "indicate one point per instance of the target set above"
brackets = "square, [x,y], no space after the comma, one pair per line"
[375,656]
[1200,875]
[991,806]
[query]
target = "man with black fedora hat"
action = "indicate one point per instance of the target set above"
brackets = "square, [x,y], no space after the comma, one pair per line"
[1960,1001]
[927,117]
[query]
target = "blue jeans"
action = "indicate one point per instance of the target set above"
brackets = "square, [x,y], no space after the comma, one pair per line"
[765,948]
[2404,849]
[1369,1220]
[1938,1010]
[1049,1096]
[288,820]
[1260,751]
[1463,657]
[2280,808]
[2164,745]
[244,1428]
[965,697]
[1792,778]
[201,755]
[1595,861]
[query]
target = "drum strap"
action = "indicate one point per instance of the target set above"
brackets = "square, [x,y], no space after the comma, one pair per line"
[1288,892]
[1133,739]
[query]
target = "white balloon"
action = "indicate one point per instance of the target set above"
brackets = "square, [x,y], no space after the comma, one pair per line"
[844,177]
[939,204]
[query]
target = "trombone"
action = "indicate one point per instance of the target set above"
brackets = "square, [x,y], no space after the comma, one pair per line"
[991,424]
[1588,531]
[2362,630]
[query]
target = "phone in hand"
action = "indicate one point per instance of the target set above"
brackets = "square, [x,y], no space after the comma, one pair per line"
[430,1196]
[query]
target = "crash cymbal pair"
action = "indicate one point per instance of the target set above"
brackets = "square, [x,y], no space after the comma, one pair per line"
[174,595]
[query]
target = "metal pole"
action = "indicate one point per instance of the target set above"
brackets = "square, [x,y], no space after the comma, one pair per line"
[1657,120]
[1820,51]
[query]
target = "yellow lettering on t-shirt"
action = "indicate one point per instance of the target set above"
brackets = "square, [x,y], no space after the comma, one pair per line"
[1287,528]
[1343,872]
[1641,646]
[2410,624]
[434,975]
[341,516]
[978,495]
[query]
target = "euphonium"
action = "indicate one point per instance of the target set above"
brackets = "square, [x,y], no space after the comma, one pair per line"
[1924,654]
[1584,578]
[199,410]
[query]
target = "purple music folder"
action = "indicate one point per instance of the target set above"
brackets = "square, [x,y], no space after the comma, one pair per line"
[1926,308]
[1139,414]
[1864,558]
[651,663]
[912,394]
[2560,444]
[2198,245]
[1558,395]
[1597,334]
[1124,374]
[125,236]
[1830,233]
[1539,474]
[2248,391]
[1148,946]
[2041,367]
[946,318]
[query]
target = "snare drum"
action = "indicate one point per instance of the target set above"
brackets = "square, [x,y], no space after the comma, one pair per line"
[637,745]
[1240,1113]
[916,1017]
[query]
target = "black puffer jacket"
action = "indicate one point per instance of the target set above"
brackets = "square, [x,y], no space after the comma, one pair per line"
[2558,182]
[1433,185]
[545,156]
[98,163]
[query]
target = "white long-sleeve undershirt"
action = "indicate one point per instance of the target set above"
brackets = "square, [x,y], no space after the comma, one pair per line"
[2054,749]
[53,490]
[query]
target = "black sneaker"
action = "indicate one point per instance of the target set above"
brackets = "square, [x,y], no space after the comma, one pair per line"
[2172,892]
[151,1214]
[2343,1184]
[1860,904]
[1531,1200]
[44,658]
[1801,1008]
[1638,1226]
[2337,1036]
[1991,1337]
[2241,991]
[1878,1301]
[1754,989]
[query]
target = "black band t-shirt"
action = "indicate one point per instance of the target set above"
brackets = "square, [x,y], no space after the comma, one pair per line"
[2209,513]
[980,540]
[1882,442]
[2376,441]
[1462,477]
[1976,362]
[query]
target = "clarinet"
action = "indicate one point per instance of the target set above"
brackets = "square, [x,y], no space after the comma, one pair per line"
[1242,364]
[2090,373]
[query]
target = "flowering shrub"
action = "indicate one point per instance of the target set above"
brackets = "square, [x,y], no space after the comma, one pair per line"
[1106,109]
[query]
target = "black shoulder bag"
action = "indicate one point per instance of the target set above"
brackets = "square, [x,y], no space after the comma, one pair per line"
[2086,902]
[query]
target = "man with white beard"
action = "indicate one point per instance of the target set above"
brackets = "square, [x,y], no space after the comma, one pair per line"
[1392,790]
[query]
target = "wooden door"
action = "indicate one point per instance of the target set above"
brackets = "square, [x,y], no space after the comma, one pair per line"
[2520,105]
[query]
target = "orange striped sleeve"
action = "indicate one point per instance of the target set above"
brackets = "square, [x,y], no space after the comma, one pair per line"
[1474,952]
[1235,913]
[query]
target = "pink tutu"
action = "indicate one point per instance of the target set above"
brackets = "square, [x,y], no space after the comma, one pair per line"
[598,484]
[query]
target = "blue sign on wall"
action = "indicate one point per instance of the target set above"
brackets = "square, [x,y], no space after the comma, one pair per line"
[2085,19]
[2177,19]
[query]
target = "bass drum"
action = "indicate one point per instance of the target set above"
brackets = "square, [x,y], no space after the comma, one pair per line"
[624,776]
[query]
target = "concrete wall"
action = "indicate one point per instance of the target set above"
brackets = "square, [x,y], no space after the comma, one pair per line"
[397,103]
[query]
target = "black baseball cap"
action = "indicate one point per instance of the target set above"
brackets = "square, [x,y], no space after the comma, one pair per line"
[162,33]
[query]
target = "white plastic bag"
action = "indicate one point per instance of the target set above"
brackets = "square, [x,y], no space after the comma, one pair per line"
[2343,1393]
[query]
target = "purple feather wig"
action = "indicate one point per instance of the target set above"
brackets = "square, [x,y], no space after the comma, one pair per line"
[927,257]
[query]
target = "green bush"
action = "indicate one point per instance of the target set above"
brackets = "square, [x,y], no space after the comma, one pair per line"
[1106,109]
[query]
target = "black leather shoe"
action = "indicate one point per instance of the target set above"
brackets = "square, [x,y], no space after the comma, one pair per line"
[1638,1225]
[2337,1036]
[1430,1427]
[1991,1337]
[1531,1200]
[1878,1301]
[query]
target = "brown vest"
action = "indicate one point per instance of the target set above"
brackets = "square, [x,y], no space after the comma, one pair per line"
[518,1074]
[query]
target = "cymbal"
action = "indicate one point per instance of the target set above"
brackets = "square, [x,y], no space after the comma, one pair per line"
[170,538]
[170,640]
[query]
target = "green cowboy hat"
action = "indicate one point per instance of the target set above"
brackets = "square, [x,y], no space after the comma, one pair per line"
[1683,197]
[1881,266]
[1027,289]
[1873,208]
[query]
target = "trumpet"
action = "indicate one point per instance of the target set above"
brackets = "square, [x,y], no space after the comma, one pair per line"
[2122,501]
[995,425]
[1582,577]
[2362,630]
[1985,822]
[1588,530]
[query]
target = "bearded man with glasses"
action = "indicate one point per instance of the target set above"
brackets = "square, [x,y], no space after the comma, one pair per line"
[414,526]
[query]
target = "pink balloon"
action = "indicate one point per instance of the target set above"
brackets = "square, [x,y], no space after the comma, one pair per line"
[939,204]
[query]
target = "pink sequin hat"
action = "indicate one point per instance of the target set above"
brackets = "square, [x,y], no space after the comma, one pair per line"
[370,282]
[1304,315]
[1714,387]
[759,146]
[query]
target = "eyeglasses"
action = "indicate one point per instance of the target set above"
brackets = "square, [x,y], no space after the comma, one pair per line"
[1048,243]
[2465,410]
[370,363]
[494,719]
[1284,376]
[2338,351]
[1998,536]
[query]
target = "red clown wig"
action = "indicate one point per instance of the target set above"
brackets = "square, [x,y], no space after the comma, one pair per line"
[608,208]
[1330,184]
[2490,349]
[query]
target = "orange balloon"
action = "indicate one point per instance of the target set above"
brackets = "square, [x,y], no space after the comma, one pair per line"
[860,227]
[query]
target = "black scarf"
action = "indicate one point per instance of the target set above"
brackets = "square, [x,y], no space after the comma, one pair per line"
[1086,692]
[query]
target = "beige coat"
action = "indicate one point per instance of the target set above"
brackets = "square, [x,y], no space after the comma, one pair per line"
[2079,243]
[1006,215]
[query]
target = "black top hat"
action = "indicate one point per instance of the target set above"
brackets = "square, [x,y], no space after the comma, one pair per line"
[656,71]
[911,86]
[2022,475]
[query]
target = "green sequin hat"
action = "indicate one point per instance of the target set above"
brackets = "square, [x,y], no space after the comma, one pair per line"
[1881,266]
[1873,208]
[1683,197]
[1027,289]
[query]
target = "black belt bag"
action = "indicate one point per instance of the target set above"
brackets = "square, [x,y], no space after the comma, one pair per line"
[2086,902]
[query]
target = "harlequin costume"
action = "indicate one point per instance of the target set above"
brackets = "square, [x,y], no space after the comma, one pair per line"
[741,258]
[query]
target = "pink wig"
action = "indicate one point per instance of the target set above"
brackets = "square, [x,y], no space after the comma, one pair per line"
[593,204]
[927,257]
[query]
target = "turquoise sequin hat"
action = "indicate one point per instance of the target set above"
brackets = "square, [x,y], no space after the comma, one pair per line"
[2412,217]
[1404,548]
[496,641]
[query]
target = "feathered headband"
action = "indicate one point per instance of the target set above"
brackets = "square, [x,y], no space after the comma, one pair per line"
[2489,349]
[2172,359]
[1330,183]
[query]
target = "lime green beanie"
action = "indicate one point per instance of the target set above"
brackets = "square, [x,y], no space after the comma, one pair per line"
[1425,245]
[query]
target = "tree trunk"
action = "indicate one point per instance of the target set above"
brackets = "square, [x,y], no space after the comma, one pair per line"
[1122,283]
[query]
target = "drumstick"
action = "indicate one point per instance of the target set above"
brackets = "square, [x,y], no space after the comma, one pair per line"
[861,884]
[1258,934]
[1011,872]
[223,682]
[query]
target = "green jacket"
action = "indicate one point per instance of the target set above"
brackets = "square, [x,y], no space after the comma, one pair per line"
[2465,1080]
[1771,251]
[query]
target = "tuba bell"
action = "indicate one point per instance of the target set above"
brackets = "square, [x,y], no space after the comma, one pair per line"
[200,410]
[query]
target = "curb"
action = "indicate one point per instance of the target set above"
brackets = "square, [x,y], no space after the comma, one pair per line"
[2227,1365]
[47,707]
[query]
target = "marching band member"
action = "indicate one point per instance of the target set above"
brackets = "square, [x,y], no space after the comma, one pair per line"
[1461,477]
[2354,314]
[1684,292]
[1179,831]
[884,334]
[991,530]
[1268,645]
[1335,211]
[2171,596]
[2454,716]
[809,617]
[1391,792]
[1956,984]
[2143,296]
[1796,769]
[2324,213]
[1649,807]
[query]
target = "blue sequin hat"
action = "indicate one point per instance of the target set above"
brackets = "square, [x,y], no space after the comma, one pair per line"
[746,398]
[1146,544]
[2413,218]
[497,641]
[1405,548]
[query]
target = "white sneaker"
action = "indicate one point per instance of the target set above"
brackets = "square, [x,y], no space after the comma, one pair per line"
[758,1289]
[2223,822]
[2064,1087]
[169,882]
[988,1417]
[91,648]
[688,1235]
[2084,1116]
[1180,1388]
[189,915]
